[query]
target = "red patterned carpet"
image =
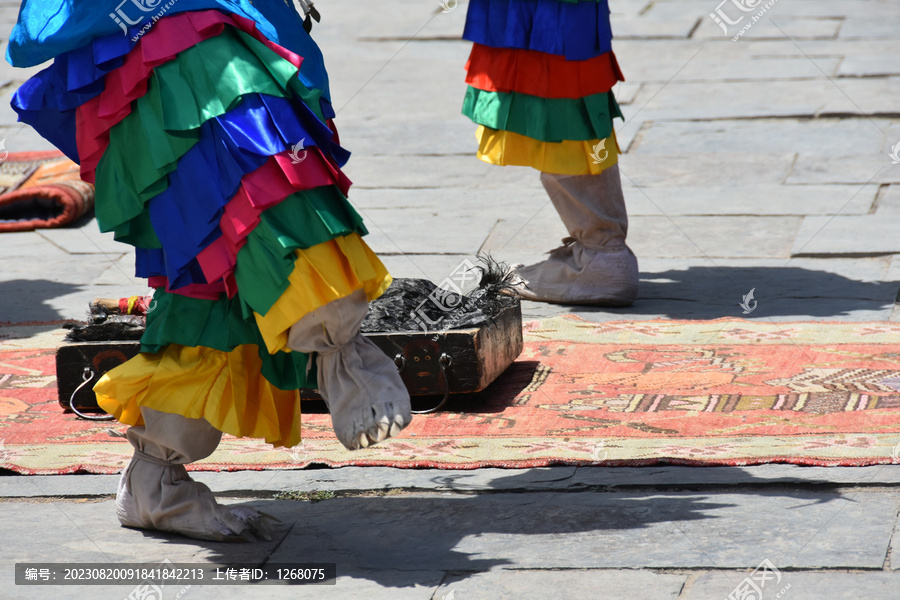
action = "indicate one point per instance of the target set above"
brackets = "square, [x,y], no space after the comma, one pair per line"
[724,392]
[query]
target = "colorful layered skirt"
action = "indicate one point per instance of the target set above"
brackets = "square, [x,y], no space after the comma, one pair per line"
[207,130]
[540,80]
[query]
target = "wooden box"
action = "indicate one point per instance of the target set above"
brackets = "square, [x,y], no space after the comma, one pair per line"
[455,361]
[477,356]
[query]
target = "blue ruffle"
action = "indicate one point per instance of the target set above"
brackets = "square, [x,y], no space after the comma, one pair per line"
[48,28]
[186,215]
[49,100]
[575,30]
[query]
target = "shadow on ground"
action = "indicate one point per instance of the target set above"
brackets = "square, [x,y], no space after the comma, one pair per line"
[23,300]
[402,541]
[714,292]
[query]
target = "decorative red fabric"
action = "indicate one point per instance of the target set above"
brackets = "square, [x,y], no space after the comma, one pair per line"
[540,74]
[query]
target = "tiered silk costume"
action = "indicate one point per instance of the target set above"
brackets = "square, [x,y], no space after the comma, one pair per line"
[540,77]
[210,141]
[540,80]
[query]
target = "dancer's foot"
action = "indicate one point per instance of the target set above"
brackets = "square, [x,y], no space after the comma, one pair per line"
[574,274]
[360,384]
[155,494]
[367,400]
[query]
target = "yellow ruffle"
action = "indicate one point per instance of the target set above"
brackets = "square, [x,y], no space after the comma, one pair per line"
[321,274]
[225,388]
[500,147]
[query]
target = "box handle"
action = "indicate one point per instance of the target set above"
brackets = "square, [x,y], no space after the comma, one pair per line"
[445,361]
[86,376]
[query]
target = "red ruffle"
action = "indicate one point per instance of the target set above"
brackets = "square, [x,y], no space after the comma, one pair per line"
[203,291]
[540,74]
[169,37]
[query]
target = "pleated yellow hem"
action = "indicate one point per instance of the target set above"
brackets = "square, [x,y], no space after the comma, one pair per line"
[590,157]
[322,274]
[225,388]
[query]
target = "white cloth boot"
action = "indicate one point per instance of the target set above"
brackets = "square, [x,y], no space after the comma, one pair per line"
[594,265]
[359,383]
[155,491]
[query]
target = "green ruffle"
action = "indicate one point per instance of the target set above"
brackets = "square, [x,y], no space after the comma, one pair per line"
[202,83]
[220,325]
[544,119]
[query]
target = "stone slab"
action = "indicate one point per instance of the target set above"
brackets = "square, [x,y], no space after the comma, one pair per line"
[398,584]
[9,118]
[870,26]
[799,289]
[761,200]
[800,278]
[85,240]
[894,564]
[45,290]
[435,135]
[814,137]
[707,169]
[770,26]
[655,23]
[862,170]
[796,529]
[372,79]
[852,235]
[676,237]
[787,290]
[891,139]
[782,98]
[868,65]
[27,245]
[418,171]
[575,583]
[760,475]
[24,300]
[453,201]
[89,532]
[658,61]
[563,478]
[838,47]
[121,272]
[675,308]
[882,9]
[800,585]
[23,138]
[351,20]
[390,232]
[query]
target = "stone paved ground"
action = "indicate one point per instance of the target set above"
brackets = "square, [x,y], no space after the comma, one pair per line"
[760,163]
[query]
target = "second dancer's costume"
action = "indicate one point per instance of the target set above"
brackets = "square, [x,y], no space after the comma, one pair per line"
[540,78]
